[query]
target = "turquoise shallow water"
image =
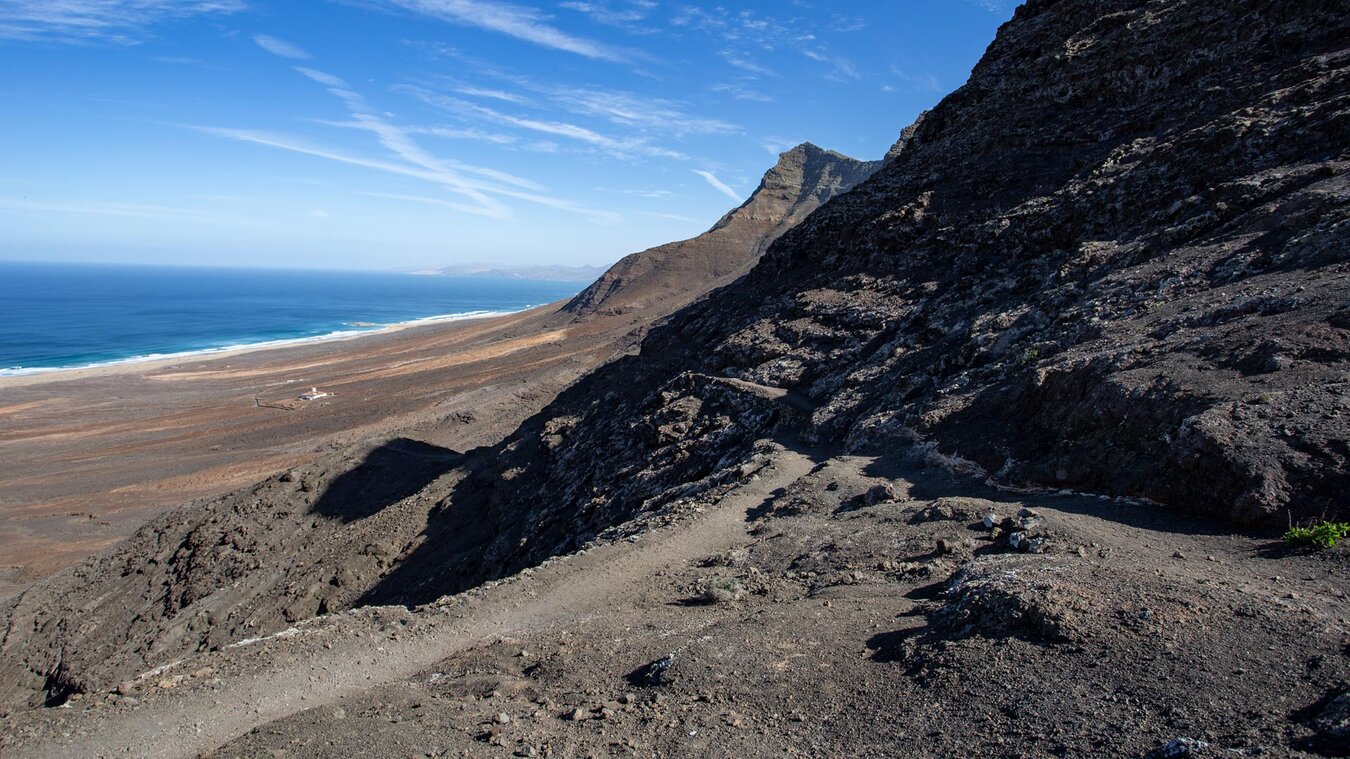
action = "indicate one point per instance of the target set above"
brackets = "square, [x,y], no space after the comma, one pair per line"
[56,316]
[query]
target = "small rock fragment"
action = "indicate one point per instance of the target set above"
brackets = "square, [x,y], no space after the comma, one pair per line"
[655,672]
[1190,748]
[883,493]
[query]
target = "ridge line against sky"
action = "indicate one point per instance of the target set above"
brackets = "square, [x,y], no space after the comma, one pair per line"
[409,133]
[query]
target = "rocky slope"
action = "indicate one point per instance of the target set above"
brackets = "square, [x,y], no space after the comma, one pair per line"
[1114,262]
[668,276]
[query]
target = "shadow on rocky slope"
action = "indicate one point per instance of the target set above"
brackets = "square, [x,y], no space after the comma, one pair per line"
[697,435]
[391,472]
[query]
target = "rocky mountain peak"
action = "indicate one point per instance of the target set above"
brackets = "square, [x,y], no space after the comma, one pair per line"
[906,135]
[671,275]
[804,177]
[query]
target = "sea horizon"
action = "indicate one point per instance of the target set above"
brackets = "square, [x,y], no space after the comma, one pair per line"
[63,316]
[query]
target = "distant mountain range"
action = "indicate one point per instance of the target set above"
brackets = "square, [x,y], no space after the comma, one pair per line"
[495,271]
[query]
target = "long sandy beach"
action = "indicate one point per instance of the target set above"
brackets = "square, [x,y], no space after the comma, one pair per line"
[89,455]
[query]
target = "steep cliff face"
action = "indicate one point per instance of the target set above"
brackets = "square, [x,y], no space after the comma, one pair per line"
[669,276]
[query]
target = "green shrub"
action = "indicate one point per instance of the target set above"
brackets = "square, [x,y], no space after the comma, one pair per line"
[1320,535]
[721,589]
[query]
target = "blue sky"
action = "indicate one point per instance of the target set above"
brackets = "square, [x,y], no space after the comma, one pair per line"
[404,133]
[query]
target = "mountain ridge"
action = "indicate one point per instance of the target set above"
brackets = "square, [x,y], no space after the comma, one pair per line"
[667,276]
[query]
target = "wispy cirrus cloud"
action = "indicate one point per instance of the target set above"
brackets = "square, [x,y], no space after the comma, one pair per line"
[492,94]
[634,125]
[632,110]
[483,204]
[476,135]
[742,91]
[717,184]
[107,208]
[120,21]
[280,47]
[776,145]
[742,62]
[674,216]
[747,37]
[657,115]
[918,82]
[639,193]
[996,6]
[324,78]
[523,23]
[628,15]
[618,147]
[846,24]
[479,189]
[842,68]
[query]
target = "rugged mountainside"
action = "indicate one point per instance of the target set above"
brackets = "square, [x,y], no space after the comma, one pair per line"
[1113,262]
[668,276]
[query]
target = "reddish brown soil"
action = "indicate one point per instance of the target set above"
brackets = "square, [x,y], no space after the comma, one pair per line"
[87,457]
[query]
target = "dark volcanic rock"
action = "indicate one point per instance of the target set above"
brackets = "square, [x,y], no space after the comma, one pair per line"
[668,276]
[1115,260]
[1060,276]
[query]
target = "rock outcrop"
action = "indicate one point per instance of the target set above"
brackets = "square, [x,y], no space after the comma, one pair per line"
[668,276]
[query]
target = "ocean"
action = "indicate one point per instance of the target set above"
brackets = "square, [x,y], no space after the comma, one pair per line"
[58,316]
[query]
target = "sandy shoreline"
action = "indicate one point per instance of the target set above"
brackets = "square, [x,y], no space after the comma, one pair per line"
[151,363]
[89,455]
